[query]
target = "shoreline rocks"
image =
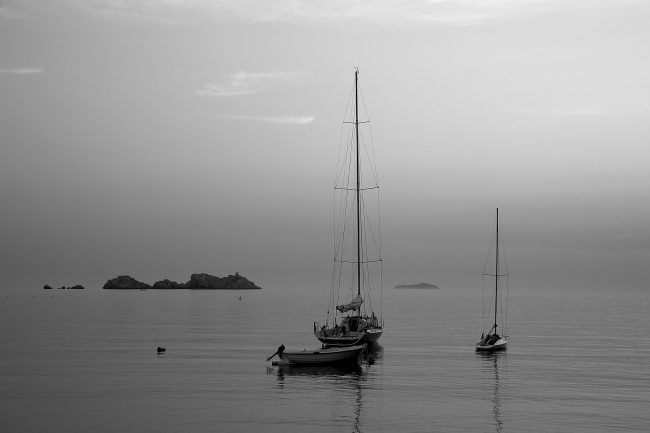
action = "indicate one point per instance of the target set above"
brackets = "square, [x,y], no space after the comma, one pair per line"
[196,282]
[76,287]
[125,282]
[168,285]
[210,282]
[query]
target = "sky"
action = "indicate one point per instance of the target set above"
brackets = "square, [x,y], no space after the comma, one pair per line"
[163,138]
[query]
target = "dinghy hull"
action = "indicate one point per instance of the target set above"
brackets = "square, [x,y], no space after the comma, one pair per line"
[331,355]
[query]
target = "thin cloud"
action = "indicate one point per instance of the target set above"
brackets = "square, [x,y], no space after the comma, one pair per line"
[11,14]
[581,112]
[244,83]
[593,111]
[384,12]
[285,120]
[22,71]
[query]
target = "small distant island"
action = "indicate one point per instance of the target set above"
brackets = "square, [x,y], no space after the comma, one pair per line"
[196,282]
[77,287]
[417,286]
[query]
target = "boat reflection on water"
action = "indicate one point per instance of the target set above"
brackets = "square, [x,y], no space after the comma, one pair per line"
[491,361]
[342,370]
[345,379]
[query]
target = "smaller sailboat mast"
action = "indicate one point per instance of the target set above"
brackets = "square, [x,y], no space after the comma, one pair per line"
[496,276]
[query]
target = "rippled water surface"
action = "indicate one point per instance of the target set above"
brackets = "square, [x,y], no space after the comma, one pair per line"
[86,361]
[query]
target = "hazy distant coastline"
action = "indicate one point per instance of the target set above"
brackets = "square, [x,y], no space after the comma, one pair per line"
[196,282]
[417,286]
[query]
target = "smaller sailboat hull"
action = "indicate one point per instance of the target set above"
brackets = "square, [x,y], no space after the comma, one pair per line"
[485,345]
[331,355]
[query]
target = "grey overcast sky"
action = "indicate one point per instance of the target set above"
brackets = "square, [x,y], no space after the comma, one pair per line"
[163,138]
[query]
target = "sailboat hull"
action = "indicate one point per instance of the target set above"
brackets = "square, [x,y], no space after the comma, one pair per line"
[501,344]
[372,336]
[350,339]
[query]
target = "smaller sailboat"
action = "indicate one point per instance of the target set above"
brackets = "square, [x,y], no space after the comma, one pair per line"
[492,341]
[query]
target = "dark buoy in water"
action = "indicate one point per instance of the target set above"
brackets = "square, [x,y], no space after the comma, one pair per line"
[371,360]
[161,349]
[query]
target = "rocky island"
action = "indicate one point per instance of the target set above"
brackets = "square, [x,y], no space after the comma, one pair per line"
[196,282]
[417,286]
[77,287]
[125,282]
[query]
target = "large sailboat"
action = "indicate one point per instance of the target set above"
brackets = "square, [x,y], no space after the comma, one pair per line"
[491,340]
[351,317]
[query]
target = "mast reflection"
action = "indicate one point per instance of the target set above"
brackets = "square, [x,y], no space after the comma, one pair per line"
[491,364]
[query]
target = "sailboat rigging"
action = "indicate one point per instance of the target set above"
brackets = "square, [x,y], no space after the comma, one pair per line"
[492,340]
[356,233]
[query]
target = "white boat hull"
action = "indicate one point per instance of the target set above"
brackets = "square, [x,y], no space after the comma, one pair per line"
[500,344]
[331,355]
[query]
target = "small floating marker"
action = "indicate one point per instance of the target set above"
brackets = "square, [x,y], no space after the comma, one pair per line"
[161,349]
[371,360]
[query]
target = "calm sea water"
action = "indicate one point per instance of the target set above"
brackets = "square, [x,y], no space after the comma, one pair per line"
[86,361]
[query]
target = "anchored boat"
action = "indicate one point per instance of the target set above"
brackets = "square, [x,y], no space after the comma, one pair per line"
[491,340]
[351,318]
[330,355]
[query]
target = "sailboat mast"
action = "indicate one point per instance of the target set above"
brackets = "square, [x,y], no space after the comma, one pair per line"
[356,126]
[496,277]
